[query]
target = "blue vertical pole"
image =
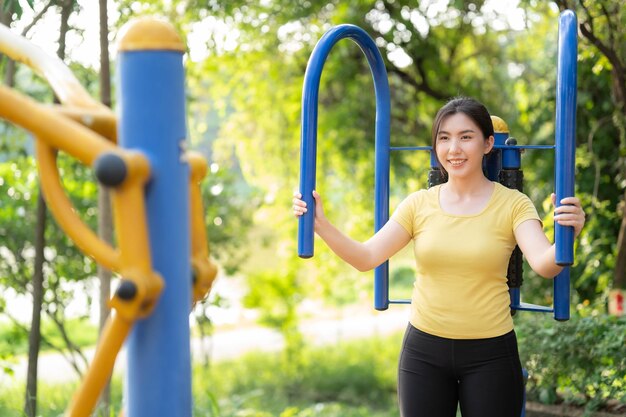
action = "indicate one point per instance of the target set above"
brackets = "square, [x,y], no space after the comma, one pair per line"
[561,290]
[152,120]
[565,152]
[493,161]
[308,147]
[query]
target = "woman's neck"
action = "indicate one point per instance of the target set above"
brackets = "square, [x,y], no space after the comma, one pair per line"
[467,187]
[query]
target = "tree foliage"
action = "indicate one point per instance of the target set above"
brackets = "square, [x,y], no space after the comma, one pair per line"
[433,51]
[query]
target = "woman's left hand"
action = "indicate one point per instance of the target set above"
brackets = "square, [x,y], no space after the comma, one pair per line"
[569,213]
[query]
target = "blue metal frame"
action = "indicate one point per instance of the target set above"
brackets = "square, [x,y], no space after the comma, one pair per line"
[505,156]
[565,143]
[308,145]
[564,153]
[152,120]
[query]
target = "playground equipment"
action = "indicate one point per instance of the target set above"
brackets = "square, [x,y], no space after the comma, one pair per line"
[157,208]
[503,165]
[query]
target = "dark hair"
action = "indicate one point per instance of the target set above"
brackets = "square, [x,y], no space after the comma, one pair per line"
[472,108]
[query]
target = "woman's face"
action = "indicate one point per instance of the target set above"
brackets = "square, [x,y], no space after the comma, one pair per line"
[461,146]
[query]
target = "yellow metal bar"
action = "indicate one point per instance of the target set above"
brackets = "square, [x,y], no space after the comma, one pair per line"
[65,85]
[100,121]
[64,212]
[111,340]
[198,167]
[204,270]
[59,132]
[79,128]
[129,207]
[132,233]
[80,106]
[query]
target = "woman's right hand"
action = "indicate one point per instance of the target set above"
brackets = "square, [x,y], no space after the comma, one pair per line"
[299,206]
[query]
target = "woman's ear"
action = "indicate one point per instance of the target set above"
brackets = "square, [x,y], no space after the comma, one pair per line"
[489,144]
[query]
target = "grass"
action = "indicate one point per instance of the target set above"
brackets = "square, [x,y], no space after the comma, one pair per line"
[14,340]
[358,378]
[355,379]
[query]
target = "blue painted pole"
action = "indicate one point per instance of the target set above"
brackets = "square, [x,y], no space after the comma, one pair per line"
[494,160]
[152,120]
[434,164]
[561,291]
[308,146]
[565,142]
[566,128]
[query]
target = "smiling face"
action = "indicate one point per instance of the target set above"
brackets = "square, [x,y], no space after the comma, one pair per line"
[460,145]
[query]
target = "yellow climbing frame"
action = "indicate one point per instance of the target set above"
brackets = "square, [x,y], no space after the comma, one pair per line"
[86,130]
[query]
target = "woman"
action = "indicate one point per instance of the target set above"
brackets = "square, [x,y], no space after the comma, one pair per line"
[459,346]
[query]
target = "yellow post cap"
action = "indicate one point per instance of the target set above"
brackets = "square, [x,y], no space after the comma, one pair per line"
[148,33]
[499,125]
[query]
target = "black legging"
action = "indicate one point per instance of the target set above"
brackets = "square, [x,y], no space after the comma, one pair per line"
[483,375]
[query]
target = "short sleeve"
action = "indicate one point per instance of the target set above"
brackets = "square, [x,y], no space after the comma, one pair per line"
[523,209]
[405,214]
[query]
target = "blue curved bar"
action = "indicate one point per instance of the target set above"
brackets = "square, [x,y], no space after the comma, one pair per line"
[308,145]
[565,142]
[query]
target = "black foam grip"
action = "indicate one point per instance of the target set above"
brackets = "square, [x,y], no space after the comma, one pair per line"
[436,177]
[514,178]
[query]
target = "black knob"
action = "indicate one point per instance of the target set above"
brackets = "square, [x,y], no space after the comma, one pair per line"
[110,169]
[510,142]
[127,290]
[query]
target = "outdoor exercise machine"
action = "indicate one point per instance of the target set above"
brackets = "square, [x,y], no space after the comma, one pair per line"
[162,254]
[503,165]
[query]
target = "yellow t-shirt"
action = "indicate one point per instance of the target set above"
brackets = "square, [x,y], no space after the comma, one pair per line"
[461,291]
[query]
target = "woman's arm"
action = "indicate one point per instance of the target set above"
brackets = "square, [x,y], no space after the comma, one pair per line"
[539,252]
[362,255]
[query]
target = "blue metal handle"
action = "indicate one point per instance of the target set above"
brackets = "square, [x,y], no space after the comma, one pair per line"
[565,142]
[309,121]
[308,147]
[566,129]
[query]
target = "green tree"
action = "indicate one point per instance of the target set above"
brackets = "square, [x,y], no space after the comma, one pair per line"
[54,294]
[602,26]
[432,52]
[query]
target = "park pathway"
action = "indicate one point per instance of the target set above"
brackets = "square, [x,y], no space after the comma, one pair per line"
[228,343]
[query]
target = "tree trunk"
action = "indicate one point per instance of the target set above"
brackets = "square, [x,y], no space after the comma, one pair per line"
[611,51]
[6,18]
[105,221]
[619,277]
[66,11]
[619,93]
[104,276]
[34,336]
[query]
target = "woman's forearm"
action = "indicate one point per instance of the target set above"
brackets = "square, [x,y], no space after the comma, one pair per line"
[546,265]
[353,252]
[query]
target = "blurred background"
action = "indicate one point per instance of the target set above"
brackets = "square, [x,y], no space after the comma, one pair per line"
[282,336]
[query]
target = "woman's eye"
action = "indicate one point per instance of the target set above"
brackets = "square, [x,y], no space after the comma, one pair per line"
[443,138]
[466,137]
